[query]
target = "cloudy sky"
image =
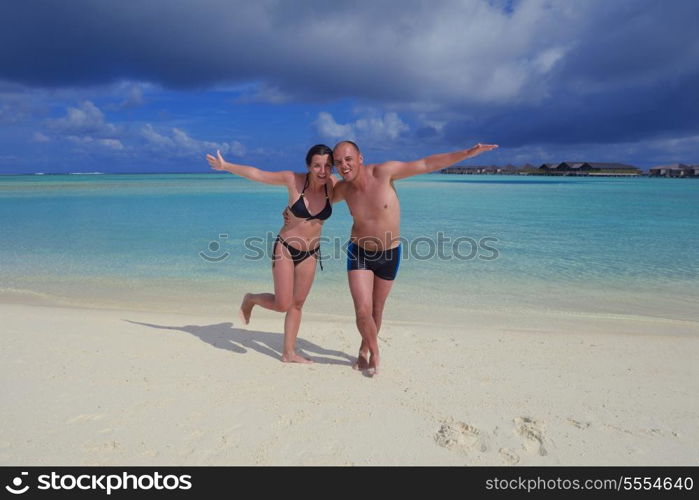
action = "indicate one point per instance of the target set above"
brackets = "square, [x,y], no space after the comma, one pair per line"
[153,85]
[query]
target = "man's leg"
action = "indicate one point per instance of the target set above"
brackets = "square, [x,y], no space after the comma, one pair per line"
[382,288]
[361,283]
[385,271]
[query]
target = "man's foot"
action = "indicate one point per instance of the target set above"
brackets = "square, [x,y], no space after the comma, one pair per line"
[295,358]
[246,309]
[362,362]
[373,368]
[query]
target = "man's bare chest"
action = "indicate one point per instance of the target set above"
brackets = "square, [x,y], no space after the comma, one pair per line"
[372,202]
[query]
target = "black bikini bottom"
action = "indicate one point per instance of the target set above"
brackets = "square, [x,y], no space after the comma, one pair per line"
[296,255]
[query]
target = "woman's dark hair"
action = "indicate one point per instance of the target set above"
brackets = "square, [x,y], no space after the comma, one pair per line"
[318,149]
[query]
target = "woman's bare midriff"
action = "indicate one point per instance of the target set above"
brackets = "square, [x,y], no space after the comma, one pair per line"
[301,233]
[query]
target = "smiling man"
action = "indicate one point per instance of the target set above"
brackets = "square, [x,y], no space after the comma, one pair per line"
[374,252]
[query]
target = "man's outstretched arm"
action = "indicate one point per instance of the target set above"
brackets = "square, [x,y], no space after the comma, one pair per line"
[401,170]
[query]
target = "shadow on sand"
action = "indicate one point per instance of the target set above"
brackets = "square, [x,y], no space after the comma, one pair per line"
[224,336]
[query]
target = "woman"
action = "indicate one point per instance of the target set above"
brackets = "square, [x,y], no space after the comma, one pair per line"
[296,249]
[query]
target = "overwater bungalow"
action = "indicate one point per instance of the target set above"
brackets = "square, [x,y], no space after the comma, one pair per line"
[588,168]
[674,170]
[483,169]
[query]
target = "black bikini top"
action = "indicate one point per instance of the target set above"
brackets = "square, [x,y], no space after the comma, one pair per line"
[299,208]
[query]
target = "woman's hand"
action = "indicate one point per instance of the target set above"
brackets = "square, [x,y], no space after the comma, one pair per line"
[217,162]
[283,178]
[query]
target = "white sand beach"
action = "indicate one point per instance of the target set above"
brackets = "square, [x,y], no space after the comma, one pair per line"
[120,387]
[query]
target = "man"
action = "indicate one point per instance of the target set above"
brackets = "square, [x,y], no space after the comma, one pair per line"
[374,250]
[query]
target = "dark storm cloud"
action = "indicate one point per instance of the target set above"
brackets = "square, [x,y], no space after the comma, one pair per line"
[670,109]
[530,70]
[180,44]
[86,42]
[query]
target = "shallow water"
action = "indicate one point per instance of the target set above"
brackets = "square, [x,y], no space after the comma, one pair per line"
[594,245]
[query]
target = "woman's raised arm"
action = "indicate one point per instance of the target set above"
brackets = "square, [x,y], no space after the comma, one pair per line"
[283,178]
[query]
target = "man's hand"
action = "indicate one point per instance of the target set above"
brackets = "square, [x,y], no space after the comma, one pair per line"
[286,215]
[401,170]
[480,148]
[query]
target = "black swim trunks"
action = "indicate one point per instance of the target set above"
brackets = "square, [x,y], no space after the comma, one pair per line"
[383,263]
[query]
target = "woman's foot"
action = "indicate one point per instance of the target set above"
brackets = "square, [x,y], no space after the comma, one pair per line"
[295,358]
[246,309]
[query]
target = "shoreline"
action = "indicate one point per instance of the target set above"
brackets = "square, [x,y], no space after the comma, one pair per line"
[528,318]
[565,316]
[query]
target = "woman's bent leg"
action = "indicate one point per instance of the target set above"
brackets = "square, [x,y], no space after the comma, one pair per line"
[280,300]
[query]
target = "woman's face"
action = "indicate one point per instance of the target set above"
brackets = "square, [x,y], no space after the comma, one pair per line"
[321,167]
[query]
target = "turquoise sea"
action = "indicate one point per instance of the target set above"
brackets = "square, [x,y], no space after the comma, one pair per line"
[185,242]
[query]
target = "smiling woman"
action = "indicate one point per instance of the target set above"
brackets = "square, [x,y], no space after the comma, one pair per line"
[297,247]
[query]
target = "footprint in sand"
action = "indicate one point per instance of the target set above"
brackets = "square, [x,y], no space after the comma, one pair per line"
[659,432]
[617,429]
[578,424]
[85,418]
[509,456]
[652,431]
[461,437]
[533,433]
[108,446]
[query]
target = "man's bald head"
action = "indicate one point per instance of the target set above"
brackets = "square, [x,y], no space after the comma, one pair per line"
[356,148]
[348,160]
